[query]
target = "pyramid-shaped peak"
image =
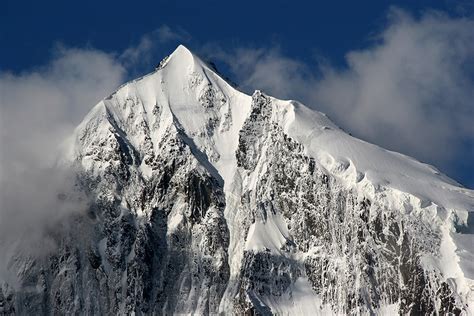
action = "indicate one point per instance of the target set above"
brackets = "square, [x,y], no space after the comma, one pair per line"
[182,54]
[182,49]
[183,61]
[180,61]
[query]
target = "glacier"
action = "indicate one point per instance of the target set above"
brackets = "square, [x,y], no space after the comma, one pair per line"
[206,200]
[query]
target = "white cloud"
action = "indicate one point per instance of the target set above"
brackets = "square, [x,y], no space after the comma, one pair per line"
[413,91]
[38,109]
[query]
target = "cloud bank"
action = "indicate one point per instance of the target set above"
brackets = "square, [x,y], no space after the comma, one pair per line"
[38,110]
[411,91]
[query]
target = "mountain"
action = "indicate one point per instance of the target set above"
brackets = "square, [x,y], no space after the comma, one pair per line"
[206,200]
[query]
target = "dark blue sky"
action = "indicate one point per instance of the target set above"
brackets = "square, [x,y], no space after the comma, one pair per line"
[29,30]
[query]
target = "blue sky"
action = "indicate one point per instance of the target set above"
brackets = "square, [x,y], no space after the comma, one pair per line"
[325,54]
[29,29]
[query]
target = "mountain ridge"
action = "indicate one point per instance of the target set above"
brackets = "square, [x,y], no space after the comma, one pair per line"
[208,200]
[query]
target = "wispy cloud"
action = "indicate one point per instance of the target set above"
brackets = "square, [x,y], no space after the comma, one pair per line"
[166,34]
[146,49]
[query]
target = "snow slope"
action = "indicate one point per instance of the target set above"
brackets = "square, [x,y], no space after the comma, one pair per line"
[183,85]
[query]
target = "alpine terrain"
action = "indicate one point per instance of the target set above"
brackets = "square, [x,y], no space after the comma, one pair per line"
[205,200]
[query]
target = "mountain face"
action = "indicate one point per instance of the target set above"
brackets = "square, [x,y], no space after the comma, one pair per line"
[205,200]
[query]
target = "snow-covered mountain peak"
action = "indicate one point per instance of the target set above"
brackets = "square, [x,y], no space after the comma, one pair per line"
[201,105]
[183,57]
[182,52]
[215,200]
[182,62]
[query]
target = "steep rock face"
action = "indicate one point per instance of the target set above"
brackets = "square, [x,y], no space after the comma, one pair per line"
[358,255]
[165,236]
[205,200]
